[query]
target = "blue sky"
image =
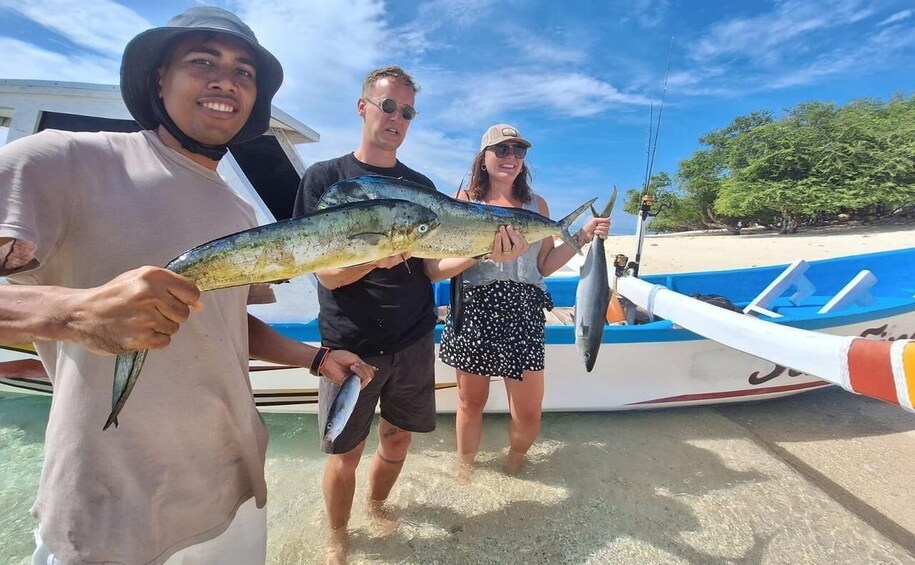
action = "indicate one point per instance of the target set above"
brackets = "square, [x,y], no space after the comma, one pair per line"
[576,77]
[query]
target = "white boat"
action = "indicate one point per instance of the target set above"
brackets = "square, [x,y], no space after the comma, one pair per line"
[640,365]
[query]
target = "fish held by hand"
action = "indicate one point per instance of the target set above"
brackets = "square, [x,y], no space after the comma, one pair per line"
[353,234]
[342,407]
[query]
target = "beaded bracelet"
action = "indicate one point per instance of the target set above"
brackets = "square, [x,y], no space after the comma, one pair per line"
[318,360]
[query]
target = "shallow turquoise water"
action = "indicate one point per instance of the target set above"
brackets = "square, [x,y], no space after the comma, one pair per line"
[22,424]
[675,486]
[295,464]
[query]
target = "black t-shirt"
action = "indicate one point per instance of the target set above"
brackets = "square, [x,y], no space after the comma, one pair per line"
[387,309]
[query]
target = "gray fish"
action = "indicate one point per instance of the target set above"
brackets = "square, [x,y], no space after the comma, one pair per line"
[348,235]
[342,407]
[592,297]
[467,228]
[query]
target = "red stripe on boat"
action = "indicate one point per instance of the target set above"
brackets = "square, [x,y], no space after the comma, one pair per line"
[732,393]
[23,369]
[870,369]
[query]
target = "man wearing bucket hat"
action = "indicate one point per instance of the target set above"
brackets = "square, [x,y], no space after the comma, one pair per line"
[182,479]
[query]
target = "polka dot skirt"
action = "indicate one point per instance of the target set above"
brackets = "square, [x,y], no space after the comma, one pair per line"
[502,331]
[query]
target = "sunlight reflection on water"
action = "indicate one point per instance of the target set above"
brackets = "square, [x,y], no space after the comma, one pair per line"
[430,507]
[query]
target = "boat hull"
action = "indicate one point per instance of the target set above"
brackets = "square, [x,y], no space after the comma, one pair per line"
[646,366]
[627,376]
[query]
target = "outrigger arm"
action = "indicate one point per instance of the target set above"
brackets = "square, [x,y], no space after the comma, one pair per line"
[881,369]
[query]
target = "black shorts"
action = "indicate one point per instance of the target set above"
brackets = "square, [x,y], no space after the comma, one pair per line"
[405,384]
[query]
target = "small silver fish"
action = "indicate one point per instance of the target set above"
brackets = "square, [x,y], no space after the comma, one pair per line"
[342,407]
[592,297]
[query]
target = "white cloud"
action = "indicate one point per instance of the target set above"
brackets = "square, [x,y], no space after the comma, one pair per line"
[897,17]
[647,13]
[325,48]
[462,13]
[556,93]
[99,25]
[534,47]
[769,37]
[25,61]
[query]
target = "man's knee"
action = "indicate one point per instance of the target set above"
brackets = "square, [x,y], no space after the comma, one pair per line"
[393,443]
[346,462]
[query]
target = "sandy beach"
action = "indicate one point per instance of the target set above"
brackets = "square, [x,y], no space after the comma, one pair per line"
[709,250]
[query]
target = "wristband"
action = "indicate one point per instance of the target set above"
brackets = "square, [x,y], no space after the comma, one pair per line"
[318,360]
[323,361]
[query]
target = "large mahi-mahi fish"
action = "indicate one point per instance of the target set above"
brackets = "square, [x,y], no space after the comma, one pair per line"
[467,228]
[348,235]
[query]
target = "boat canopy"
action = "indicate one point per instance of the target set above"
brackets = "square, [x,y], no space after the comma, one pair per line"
[265,171]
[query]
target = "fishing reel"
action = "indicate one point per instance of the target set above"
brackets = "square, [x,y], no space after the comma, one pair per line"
[621,265]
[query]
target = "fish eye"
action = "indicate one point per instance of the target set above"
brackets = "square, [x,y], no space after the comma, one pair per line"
[422,228]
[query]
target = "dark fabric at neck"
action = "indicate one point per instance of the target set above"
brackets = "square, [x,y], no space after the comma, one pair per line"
[212,152]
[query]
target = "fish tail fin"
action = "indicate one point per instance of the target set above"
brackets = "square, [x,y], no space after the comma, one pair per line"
[566,222]
[127,368]
[609,207]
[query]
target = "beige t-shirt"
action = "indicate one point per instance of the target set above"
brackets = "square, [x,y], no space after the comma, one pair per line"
[191,444]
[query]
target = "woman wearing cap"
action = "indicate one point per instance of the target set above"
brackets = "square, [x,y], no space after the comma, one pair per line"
[504,297]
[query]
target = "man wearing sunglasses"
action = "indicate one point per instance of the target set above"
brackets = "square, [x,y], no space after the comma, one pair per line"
[382,311]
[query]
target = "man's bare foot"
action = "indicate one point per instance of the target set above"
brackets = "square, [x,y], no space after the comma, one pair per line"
[514,463]
[337,546]
[383,521]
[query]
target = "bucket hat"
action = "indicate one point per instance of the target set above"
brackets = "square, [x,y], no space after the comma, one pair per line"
[145,53]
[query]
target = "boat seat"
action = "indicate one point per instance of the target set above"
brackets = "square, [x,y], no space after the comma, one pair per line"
[560,316]
[856,291]
[791,277]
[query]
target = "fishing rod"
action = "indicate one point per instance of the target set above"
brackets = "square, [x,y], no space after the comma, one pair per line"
[648,200]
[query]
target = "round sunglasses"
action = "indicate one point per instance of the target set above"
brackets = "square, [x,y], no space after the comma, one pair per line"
[501,150]
[389,106]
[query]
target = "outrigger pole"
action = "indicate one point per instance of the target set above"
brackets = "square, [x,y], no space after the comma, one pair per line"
[880,369]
